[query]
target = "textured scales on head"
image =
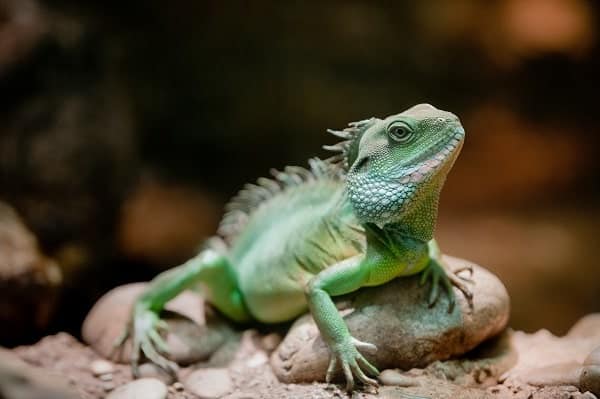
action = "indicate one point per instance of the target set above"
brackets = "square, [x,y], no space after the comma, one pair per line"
[401,163]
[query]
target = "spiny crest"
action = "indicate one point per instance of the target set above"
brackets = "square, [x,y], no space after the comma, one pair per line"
[240,207]
[347,148]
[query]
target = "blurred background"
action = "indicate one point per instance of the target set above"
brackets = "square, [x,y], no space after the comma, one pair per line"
[126,126]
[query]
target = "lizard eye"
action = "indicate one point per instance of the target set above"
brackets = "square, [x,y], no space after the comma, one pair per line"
[400,132]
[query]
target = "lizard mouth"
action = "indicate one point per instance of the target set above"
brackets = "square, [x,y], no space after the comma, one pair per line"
[433,161]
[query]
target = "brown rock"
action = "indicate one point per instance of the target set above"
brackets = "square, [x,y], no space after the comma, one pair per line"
[560,356]
[395,317]
[190,337]
[557,374]
[29,281]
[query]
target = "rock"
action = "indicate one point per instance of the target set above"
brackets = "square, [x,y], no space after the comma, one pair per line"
[561,356]
[590,373]
[556,374]
[147,388]
[395,377]
[209,383]
[19,380]
[151,370]
[593,358]
[482,366]
[395,317]
[29,281]
[256,360]
[101,366]
[270,342]
[193,335]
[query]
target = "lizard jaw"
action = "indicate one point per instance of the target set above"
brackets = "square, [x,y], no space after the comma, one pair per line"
[435,162]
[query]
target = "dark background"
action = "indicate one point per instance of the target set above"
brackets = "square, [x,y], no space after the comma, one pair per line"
[125,126]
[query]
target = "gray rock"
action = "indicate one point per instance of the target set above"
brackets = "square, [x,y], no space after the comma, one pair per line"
[193,335]
[395,317]
[209,383]
[147,388]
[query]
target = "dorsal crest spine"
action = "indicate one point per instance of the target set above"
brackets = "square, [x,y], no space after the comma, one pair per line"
[346,149]
[240,208]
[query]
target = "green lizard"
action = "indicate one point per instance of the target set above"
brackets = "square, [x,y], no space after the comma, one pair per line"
[358,219]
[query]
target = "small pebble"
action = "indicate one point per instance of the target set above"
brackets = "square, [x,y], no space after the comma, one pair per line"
[588,395]
[147,388]
[109,386]
[178,386]
[394,377]
[258,359]
[101,366]
[209,383]
[150,370]
[271,341]
[106,377]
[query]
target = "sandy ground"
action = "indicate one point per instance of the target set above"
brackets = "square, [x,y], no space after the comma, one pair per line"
[251,377]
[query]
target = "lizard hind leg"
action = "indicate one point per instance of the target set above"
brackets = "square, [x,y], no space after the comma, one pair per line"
[209,268]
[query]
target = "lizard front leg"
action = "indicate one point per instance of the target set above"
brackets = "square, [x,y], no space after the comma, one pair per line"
[438,273]
[342,278]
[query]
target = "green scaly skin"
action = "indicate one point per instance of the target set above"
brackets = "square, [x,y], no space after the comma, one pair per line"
[360,219]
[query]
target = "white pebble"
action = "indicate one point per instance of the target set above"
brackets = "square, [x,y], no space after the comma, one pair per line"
[101,366]
[209,383]
[147,388]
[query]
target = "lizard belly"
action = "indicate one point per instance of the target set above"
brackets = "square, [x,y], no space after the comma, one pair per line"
[273,293]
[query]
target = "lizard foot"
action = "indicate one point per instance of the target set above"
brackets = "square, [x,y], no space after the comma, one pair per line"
[144,330]
[352,363]
[438,274]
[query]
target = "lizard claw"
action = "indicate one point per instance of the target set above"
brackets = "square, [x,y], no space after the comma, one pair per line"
[438,273]
[352,363]
[144,331]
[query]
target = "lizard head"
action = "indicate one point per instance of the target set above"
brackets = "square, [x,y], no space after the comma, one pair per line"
[401,161]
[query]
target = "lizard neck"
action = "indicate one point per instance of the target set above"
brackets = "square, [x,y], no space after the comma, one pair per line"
[419,220]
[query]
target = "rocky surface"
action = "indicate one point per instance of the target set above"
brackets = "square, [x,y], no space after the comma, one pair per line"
[395,317]
[245,364]
[21,380]
[544,360]
[247,374]
[29,281]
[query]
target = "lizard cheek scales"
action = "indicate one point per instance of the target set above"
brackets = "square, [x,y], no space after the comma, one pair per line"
[291,243]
